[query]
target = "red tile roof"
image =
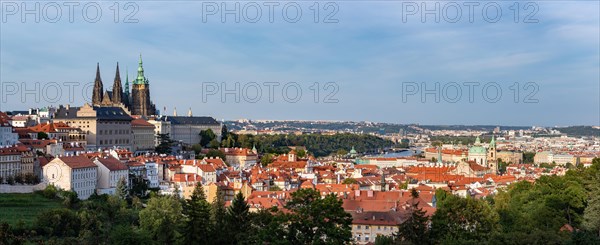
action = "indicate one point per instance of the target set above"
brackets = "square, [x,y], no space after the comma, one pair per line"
[78,162]
[112,163]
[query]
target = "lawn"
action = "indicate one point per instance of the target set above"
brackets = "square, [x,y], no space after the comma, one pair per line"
[25,207]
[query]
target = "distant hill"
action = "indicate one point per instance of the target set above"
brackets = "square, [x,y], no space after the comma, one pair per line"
[580,131]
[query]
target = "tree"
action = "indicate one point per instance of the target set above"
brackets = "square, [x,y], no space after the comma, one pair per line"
[216,153]
[228,141]
[316,220]
[160,218]
[58,222]
[127,234]
[348,181]
[139,186]
[502,166]
[197,225]
[206,136]
[528,157]
[197,148]
[301,153]
[384,240]
[463,220]
[414,229]
[218,213]
[164,144]
[121,189]
[214,144]
[266,159]
[238,220]
[42,136]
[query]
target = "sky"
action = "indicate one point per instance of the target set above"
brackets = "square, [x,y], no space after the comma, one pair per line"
[495,63]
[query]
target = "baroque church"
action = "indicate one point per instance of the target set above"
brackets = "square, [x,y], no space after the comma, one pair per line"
[137,102]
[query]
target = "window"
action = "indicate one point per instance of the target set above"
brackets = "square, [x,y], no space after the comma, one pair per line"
[366,227]
[358,227]
[366,238]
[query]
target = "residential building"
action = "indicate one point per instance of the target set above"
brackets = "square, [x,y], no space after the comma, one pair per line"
[110,172]
[10,162]
[73,173]
[8,136]
[366,226]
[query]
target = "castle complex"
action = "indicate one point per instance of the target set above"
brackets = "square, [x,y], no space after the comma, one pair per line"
[137,102]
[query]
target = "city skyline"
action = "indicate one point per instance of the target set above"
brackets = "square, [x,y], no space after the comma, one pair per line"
[369,61]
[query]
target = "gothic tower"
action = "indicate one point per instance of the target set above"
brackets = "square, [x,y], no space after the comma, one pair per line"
[126,95]
[140,94]
[98,88]
[117,90]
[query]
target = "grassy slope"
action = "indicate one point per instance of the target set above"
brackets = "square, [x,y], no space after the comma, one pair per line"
[26,207]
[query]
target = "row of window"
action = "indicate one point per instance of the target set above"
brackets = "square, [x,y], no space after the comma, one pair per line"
[84,184]
[385,228]
[110,131]
[117,141]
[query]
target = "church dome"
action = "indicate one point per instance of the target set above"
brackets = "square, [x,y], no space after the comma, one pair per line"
[477,150]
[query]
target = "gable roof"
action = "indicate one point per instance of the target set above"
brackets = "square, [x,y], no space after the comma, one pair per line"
[112,163]
[77,162]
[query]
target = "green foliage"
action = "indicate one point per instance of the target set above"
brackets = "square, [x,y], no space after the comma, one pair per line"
[206,136]
[348,181]
[164,144]
[274,188]
[126,235]
[197,148]
[197,215]
[58,222]
[238,220]
[266,159]
[42,136]
[528,157]
[216,153]
[301,153]
[161,217]
[469,219]
[384,240]
[414,229]
[139,186]
[316,220]
[317,144]
[214,144]
[121,189]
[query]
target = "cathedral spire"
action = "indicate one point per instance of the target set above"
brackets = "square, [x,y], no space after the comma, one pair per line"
[175,111]
[127,81]
[141,79]
[190,112]
[117,91]
[98,87]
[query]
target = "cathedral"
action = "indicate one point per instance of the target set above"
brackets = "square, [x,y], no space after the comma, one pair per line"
[137,102]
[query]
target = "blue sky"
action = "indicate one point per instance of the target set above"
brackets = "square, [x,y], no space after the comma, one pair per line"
[371,55]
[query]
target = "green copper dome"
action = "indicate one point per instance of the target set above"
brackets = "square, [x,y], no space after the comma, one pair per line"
[477,148]
[353,151]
